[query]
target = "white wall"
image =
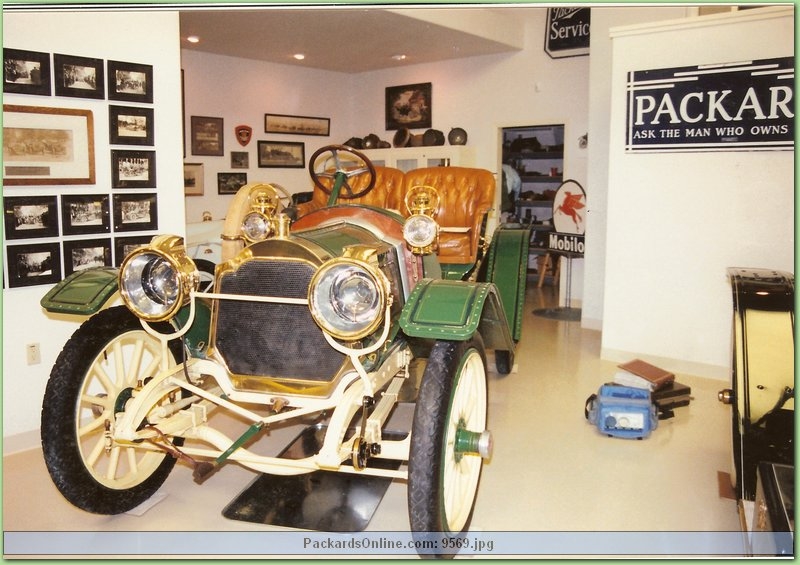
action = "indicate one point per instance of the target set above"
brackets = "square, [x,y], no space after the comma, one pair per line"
[677,221]
[147,38]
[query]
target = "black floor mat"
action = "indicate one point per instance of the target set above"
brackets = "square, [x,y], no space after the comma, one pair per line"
[323,500]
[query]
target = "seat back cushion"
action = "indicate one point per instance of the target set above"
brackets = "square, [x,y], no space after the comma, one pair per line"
[386,192]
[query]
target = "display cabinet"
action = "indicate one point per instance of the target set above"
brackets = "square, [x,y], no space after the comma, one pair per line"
[408,158]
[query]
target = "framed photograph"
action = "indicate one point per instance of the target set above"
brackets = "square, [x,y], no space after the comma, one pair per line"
[30,216]
[47,146]
[230,183]
[130,126]
[83,254]
[79,77]
[124,245]
[281,154]
[130,82]
[26,72]
[133,169]
[193,180]
[409,106]
[85,213]
[207,136]
[297,125]
[240,160]
[135,212]
[33,263]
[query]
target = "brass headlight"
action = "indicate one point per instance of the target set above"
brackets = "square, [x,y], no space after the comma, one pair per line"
[421,231]
[258,224]
[155,280]
[348,298]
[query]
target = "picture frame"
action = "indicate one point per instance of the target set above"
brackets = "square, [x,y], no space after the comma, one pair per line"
[409,106]
[130,82]
[28,217]
[26,72]
[85,214]
[81,254]
[66,158]
[296,125]
[240,159]
[135,212]
[79,77]
[133,169]
[33,264]
[193,179]
[230,183]
[207,136]
[124,245]
[281,154]
[129,125]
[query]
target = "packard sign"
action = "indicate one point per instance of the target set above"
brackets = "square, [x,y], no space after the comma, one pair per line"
[732,106]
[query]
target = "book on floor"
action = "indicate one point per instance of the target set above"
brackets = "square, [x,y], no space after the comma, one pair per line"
[641,374]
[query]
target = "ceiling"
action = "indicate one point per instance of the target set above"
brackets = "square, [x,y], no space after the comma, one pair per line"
[354,39]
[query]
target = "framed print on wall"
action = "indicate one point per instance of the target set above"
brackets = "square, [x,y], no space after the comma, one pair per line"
[79,77]
[33,263]
[207,136]
[240,160]
[409,106]
[193,179]
[130,82]
[135,212]
[80,254]
[26,72]
[30,216]
[130,125]
[47,145]
[133,169]
[85,213]
[230,183]
[297,125]
[281,154]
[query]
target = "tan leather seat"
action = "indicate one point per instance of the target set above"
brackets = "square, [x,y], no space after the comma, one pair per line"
[387,192]
[466,197]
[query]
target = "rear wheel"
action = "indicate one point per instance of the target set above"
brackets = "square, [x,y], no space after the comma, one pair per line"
[93,377]
[444,466]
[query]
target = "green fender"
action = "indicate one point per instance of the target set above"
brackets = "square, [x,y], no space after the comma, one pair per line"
[507,268]
[86,292]
[455,310]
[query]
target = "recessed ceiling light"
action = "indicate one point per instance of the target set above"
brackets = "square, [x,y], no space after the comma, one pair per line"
[299,56]
[193,39]
[399,57]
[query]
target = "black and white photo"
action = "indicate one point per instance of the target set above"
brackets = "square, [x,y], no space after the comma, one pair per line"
[79,77]
[29,217]
[130,125]
[131,82]
[33,264]
[133,169]
[83,254]
[85,213]
[135,212]
[26,72]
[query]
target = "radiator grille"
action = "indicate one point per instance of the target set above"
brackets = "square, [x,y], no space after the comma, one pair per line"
[274,340]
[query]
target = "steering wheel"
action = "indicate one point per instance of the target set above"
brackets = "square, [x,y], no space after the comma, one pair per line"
[344,166]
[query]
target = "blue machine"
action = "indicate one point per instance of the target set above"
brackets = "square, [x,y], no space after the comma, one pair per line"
[622,411]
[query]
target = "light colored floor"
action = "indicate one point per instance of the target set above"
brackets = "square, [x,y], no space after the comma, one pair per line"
[551,471]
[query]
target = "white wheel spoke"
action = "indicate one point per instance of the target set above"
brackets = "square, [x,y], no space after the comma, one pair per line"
[113,463]
[95,453]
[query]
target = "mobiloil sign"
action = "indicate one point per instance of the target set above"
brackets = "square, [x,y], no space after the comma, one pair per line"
[569,219]
[730,106]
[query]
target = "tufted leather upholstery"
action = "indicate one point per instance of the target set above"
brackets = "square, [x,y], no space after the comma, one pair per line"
[466,195]
[387,192]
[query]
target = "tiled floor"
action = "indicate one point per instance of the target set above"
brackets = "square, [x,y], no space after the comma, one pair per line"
[551,471]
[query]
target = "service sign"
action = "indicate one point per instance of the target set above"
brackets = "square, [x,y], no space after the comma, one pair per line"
[567,32]
[732,106]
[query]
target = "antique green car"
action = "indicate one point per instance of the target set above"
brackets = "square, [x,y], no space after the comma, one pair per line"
[342,312]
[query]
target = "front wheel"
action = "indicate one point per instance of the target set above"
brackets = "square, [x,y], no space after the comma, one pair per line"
[93,377]
[449,422]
